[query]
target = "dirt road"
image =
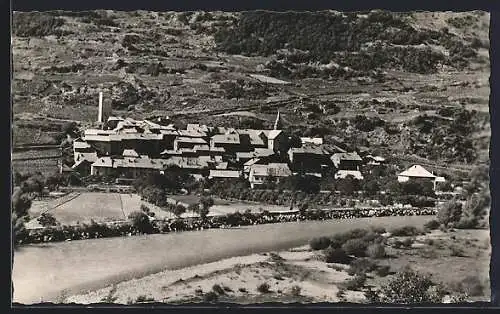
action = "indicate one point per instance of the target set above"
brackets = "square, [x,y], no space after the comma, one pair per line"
[46,272]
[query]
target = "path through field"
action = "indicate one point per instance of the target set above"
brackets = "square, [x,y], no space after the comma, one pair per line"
[46,272]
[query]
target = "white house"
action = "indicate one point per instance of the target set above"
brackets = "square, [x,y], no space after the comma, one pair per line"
[417,172]
[259,173]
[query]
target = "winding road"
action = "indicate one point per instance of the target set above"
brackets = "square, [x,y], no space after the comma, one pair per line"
[45,272]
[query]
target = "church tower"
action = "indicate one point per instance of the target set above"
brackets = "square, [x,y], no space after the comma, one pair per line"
[278,124]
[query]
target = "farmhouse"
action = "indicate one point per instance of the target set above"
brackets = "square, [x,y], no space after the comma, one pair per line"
[347,161]
[417,173]
[309,158]
[260,174]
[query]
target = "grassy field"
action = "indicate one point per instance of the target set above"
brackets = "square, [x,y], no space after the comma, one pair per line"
[47,272]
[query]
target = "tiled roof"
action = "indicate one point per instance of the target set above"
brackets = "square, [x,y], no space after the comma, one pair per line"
[258,152]
[130,153]
[273,134]
[226,138]
[417,171]
[348,156]
[224,174]
[196,140]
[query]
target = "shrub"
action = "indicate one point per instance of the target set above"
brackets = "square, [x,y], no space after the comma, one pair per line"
[335,255]
[383,271]
[407,243]
[356,283]
[376,251]
[379,230]
[356,247]
[471,286]
[295,291]
[217,289]
[449,212]
[263,287]
[406,231]
[409,286]
[211,297]
[361,266]
[141,221]
[47,220]
[456,251]
[320,243]
[143,298]
[242,289]
[432,225]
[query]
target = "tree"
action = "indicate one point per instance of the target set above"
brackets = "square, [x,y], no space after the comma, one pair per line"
[407,287]
[450,212]
[21,204]
[206,203]
[47,220]
[179,209]
[140,220]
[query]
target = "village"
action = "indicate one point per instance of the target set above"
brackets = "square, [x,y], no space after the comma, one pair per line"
[127,149]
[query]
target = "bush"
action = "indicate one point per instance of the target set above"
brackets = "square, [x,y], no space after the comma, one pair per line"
[143,298]
[295,291]
[263,287]
[376,251]
[217,289]
[361,266]
[406,231]
[140,220]
[47,220]
[456,251]
[379,230]
[356,247]
[471,286]
[449,212]
[409,286]
[320,243]
[336,255]
[407,243]
[432,225]
[211,297]
[356,283]
[383,271]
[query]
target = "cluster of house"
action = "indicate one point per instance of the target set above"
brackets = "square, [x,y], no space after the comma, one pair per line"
[127,149]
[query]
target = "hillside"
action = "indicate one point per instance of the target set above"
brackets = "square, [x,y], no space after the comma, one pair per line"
[403,84]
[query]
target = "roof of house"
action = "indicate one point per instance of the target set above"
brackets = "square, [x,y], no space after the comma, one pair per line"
[186,162]
[142,162]
[273,134]
[312,140]
[417,171]
[251,162]
[196,140]
[342,174]
[192,133]
[226,138]
[221,165]
[224,174]
[347,156]
[258,152]
[80,145]
[272,169]
[87,156]
[103,162]
[308,149]
[169,132]
[440,179]
[130,153]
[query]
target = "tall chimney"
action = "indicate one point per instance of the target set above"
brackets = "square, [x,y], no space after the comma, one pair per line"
[100,117]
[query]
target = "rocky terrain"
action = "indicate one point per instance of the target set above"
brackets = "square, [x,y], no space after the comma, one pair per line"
[408,85]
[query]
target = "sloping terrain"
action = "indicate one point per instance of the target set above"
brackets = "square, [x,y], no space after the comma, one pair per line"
[402,84]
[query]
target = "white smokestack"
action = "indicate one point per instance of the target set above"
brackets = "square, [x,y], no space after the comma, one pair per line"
[100,117]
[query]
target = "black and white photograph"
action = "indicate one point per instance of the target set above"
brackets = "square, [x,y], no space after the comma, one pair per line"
[250,157]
